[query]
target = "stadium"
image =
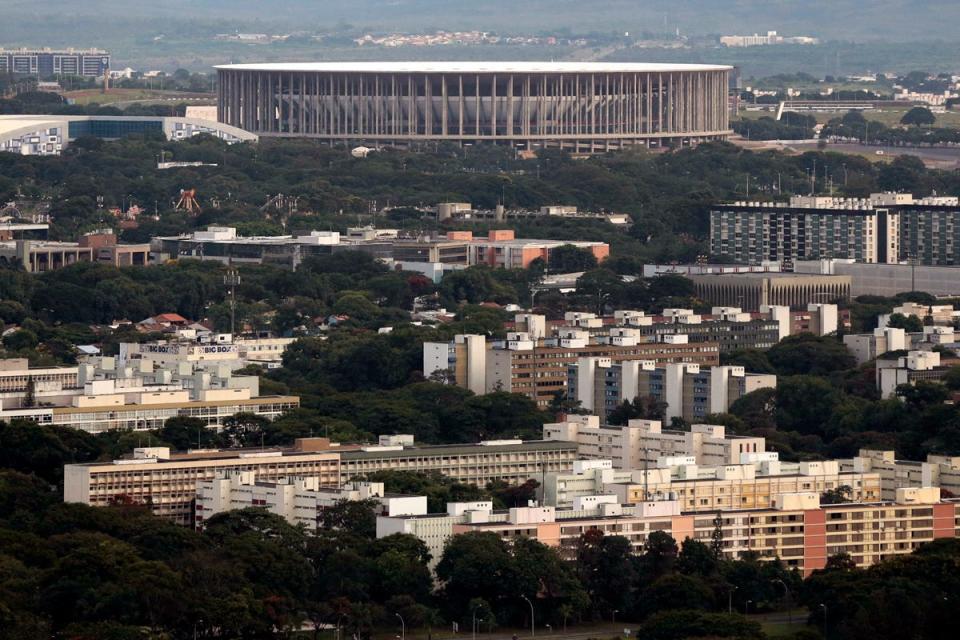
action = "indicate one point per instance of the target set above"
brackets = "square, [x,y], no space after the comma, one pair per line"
[581,107]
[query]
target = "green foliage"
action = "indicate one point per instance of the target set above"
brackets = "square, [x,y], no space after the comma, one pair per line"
[918,116]
[807,354]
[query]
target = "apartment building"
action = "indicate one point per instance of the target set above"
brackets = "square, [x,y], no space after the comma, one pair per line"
[895,369]
[167,482]
[689,391]
[886,228]
[940,315]
[107,396]
[435,529]
[640,443]
[16,375]
[298,500]
[795,529]
[868,346]
[753,483]
[936,471]
[510,461]
[538,368]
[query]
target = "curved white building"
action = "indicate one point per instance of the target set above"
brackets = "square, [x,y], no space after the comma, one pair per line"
[590,106]
[45,135]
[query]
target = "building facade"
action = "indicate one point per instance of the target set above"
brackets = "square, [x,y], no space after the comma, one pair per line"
[167,482]
[753,291]
[641,443]
[583,107]
[886,228]
[55,62]
[689,391]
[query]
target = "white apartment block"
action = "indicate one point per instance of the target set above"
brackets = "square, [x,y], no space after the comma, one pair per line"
[298,500]
[936,471]
[907,369]
[435,529]
[106,393]
[642,442]
[218,349]
[690,391]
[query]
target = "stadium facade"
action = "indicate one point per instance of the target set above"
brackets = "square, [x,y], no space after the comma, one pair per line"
[582,107]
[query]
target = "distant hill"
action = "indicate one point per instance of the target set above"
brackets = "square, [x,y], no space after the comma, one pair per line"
[891,20]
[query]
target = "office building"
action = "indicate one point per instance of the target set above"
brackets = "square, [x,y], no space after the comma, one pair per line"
[868,346]
[47,135]
[886,228]
[579,106]
[753,291]
[38,256]
[205,351]
[47,62]
[640,443]
[689,391]
[796,529]
[167,482]
[298,500]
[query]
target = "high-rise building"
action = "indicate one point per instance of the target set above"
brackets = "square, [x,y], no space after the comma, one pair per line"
[886,228]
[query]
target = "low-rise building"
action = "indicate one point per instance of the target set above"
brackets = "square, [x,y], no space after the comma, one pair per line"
[510,461]
[167,482]
[38,256]
[640,443]
[899,368]
[689,391]
[752,291]
[298,500]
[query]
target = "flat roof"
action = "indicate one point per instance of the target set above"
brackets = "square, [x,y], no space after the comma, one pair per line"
[473,67]
[459,449]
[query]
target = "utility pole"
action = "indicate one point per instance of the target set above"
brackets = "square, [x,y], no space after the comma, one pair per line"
[231,280]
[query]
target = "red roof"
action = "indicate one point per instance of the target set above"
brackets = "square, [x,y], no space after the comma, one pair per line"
[170,317]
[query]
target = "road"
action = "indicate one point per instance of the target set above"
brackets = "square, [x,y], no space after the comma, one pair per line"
[941,157]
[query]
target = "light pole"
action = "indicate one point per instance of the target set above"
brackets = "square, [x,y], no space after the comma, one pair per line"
[786,591]
[403,627]
[730,598]
[533,627]
[824,607]
[475,624]
[613,617]
[746,607]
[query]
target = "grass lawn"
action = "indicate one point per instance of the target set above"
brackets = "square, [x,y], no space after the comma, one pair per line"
[90,96]
[889,117]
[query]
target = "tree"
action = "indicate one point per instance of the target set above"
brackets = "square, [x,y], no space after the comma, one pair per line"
[184,433]
[809,354]
[910,324]
[839,495]
[918,116]
[474,565]
[355,517]
[568,258]
[244,430]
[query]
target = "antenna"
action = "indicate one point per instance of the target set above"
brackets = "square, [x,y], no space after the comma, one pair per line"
[231,280]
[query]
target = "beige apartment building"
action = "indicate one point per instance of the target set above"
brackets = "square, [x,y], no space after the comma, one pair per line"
[640,443]
[752,485]
[167,482]
[796,528]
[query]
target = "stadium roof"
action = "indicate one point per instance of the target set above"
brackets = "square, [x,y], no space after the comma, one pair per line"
[474,67]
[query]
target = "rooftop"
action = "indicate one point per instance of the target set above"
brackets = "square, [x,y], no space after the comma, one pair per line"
[473,67]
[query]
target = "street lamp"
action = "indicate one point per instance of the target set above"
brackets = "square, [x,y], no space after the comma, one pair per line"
[730,598]
[786,591]
[403,627]
[475,624]
[824,607]
[613,617]
[746,607]
[533,627]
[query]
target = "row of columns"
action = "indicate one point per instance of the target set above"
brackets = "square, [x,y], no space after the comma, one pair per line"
[512,107]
